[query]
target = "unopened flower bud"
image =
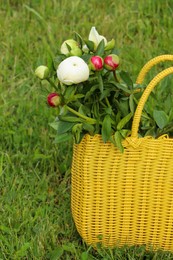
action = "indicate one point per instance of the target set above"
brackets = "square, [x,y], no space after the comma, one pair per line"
[96,38]
[96,63]
[42,72]
[71,48]
[54,99]
[111,62]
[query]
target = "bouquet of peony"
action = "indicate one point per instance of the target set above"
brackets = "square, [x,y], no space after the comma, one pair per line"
[90,92]
[93,95]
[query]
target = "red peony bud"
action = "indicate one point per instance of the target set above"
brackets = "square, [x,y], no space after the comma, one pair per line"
[54,99]
[96,63]
[111,62]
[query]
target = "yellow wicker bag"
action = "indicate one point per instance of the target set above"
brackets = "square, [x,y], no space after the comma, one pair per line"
[125,198]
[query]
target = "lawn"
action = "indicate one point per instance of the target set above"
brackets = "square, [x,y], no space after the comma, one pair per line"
[35,217]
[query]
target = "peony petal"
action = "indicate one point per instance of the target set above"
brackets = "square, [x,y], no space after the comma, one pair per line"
[102,38]
[94,36]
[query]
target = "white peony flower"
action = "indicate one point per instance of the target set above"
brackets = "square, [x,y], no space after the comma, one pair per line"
[95,37]
[72,70]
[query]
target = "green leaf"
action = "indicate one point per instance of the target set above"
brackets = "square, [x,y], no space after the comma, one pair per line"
[108,110]
[95,110]
[106,128]
[84,110]
[131,103]
[58,59]
[171,114]
[118,140]
[62,138]
[121,86]
[126,78]
[105,93]
[54,125]
[100,48]
[86,57]
[72,119]
[69,92]
[90,45]
[167,130]
[161,118]
[100,82]
[62,126]
[91,91]
[77,130]
[97,128]
[124,132]
[115,51]
[68,47]
[78,96]
[151,132]
[50,64]
[117,117]
[89,128]
[63,111]
[124,121]
[79,39]
[168,103]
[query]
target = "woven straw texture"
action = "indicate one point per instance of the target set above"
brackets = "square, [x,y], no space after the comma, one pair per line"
[125,198]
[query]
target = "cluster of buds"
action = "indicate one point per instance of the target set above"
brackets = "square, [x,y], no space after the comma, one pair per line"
[110,62]
[73,69]
[90,93]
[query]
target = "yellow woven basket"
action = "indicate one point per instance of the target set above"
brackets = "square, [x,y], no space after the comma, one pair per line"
[125,198]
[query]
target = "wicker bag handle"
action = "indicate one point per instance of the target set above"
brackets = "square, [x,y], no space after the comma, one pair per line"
[144,97]
[150,64]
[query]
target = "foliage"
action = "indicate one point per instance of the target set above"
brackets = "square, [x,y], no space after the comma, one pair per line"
[103,104]
[157,117]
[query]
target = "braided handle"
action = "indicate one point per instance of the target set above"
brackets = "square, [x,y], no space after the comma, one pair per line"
[150,64]
[144,97]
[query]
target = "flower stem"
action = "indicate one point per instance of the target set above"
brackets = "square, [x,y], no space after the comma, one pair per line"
[102,104]
[91,120]
[107,102]
[115,76]
[52,84]
[100,81]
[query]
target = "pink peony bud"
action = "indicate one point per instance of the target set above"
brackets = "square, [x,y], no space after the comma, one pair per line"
[54,99]
[96,63]
[111,62]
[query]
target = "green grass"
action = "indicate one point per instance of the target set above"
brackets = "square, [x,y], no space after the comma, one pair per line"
[35,216]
